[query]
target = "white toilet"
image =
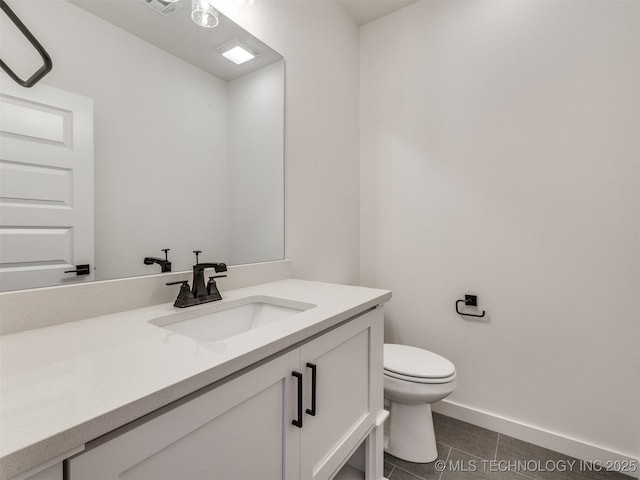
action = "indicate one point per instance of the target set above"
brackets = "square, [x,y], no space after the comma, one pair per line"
[413,379]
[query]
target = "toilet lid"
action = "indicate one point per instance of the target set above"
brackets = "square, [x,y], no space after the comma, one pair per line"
[408,378]
[416,362]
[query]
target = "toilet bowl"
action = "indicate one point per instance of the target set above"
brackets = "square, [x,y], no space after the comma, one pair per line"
[413,379]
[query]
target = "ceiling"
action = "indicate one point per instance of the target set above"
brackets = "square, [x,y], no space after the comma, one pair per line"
[177,34]
[365,11]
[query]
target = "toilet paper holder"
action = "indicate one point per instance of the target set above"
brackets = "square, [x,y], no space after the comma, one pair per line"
[469,301]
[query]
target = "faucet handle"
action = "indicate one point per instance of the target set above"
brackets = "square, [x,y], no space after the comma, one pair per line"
[212,288]
[216,276]
[166,255]
[185,297]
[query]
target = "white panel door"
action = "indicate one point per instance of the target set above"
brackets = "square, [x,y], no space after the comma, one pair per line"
[46,186]
[239,431]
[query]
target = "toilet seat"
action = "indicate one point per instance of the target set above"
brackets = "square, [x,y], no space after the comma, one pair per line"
[426,380]
[416,365]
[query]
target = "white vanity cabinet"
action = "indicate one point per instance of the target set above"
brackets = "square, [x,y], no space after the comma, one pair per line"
[244,429]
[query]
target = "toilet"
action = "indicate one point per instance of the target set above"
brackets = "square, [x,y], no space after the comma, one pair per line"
[413,379]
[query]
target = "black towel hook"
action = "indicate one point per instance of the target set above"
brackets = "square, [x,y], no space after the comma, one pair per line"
[46,59]
[469,301]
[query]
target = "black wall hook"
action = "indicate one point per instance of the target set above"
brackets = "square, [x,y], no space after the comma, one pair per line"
[46,59]
[469,301]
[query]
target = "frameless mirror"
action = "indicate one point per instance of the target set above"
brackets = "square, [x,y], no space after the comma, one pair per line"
[143,137]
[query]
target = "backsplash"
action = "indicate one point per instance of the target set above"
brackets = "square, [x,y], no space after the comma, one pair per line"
[43,307]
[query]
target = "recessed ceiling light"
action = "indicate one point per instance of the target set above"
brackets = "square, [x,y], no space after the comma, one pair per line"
[237,53]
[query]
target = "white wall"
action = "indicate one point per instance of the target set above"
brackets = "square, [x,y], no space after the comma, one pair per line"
[143,114]
[256,170]
[320,44]
[499,154]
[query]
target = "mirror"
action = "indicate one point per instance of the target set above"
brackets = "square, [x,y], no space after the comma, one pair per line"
[187,147]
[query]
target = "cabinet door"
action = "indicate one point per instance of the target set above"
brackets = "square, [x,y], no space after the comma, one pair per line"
[348,364]
[240,430]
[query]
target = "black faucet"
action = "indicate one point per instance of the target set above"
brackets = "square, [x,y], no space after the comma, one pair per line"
[211,290]
[199,293]
[165,265]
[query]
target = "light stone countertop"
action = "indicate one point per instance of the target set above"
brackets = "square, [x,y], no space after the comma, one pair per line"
[65,385]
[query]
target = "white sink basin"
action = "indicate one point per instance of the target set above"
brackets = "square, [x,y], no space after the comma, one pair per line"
[215,322]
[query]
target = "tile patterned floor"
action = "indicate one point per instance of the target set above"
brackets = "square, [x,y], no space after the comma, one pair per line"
[467,452]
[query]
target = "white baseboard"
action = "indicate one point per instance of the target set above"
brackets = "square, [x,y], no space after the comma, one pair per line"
[537,436]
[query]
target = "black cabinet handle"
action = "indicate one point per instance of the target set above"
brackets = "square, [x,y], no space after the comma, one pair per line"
[312,411]
[298,422]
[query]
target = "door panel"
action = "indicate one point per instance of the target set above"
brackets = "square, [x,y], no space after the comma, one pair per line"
[39,122]
[22,182]
[45,244]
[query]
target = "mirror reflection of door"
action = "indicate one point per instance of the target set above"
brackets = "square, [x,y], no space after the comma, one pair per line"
[46,186]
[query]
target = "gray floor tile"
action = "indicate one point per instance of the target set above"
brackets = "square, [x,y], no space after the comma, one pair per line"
[461,466]
[543,464]
[423,470]
[387,469]
[400,474]
[465,437]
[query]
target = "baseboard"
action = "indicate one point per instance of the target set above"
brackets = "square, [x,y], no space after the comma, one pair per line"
[537,436]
